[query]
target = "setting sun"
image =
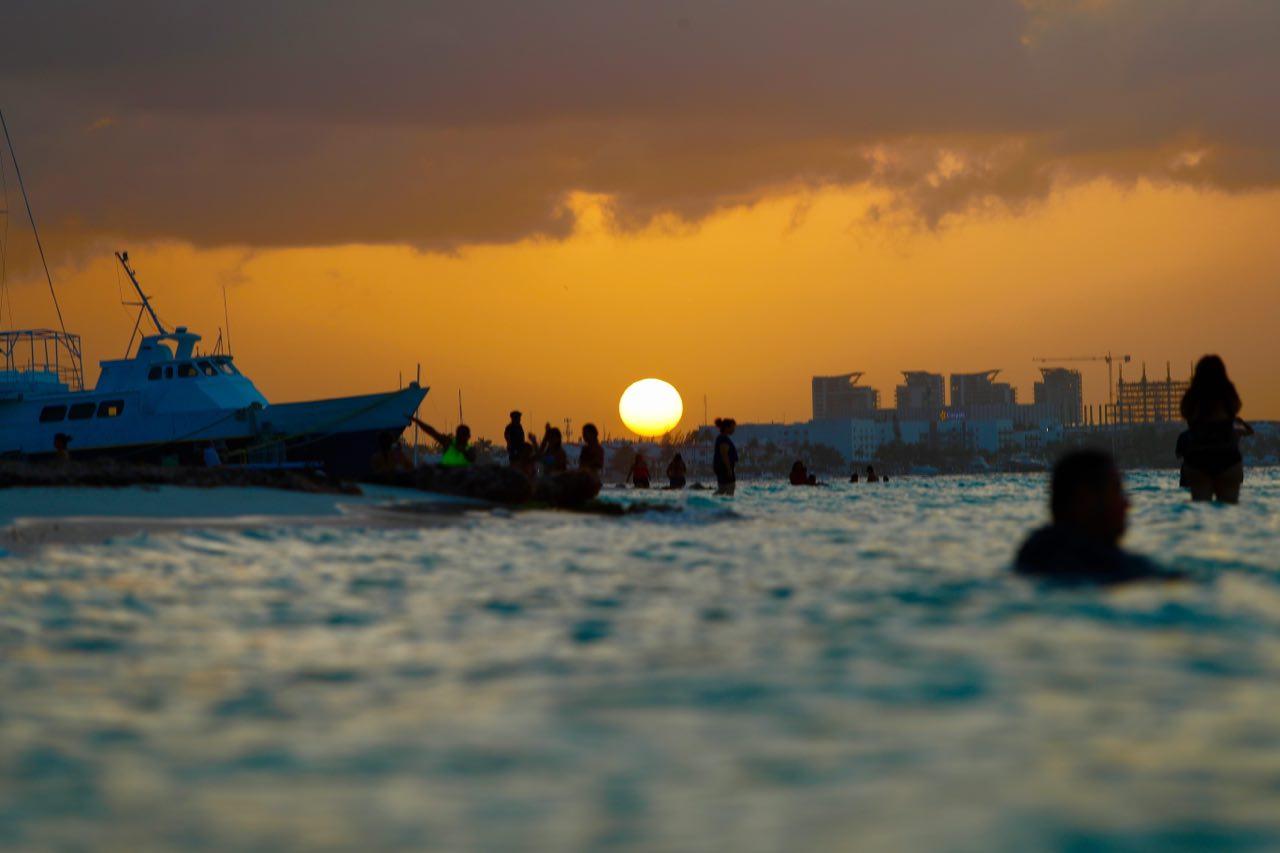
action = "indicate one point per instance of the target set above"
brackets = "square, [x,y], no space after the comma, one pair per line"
[651,407]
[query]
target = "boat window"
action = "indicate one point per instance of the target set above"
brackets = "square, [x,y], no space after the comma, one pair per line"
[187,370]
[168,373]
[155,372]
[52,414]
[226,367]
[81,411]
[110,408]
[207,369]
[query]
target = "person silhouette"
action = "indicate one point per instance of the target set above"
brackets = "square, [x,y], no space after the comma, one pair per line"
[514,436]
[639,473]
[725,457]
[457,449]
[871,474]
[551,452]
[799,475]
[1212,467]
[1089,512]
[592,456]
[677,472]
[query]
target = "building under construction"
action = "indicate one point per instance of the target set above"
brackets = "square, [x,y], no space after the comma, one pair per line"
[1149,401]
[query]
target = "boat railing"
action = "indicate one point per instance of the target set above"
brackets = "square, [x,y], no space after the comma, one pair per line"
[42,354]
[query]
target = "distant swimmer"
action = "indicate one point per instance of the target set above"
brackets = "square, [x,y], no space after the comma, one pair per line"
[1212,467]
[871,474]
[800,475]
[458,450]
[61,450]
[514,436]
[592,456]
[638,476]
[725,457]
[853,478]
[551,454]
[1088,506]
[677,472]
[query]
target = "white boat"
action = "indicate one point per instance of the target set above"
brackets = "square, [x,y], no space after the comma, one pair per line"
[167,402]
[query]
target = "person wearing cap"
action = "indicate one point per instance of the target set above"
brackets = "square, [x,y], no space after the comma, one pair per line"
[61,453]
[514,435]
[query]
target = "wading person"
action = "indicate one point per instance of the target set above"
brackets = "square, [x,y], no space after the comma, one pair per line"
[677,473]
[638,476]
[592,456]
[871,474]
[551,452]
[724,458]
[1088,507]
[1212,467]
[458,452]
[799,474]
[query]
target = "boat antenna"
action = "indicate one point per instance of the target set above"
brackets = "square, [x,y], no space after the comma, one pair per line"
[226,318]
[17,170]
[123,258]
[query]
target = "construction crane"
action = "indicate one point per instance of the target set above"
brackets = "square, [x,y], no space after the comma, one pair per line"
[1108,358]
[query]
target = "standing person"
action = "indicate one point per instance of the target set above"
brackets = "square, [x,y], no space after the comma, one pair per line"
[871,474]
[551,452]
[725,457]
[458,452]
[592,456]
[677,472]
[514,436]
[1212,467]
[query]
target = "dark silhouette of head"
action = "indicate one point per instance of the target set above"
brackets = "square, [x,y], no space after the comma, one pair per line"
[871,469]
[797,467]
[462,434]
[1211,394]
[726,425]
[553,438]
[590,434]
[678,458]
[1086,493]
[515,417]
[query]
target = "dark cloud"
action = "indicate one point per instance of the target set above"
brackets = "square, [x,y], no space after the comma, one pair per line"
[444,124]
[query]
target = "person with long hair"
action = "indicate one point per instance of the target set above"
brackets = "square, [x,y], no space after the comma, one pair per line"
[1212,467]
[724,459]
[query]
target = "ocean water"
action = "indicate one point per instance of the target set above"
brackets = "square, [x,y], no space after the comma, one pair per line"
[841,668]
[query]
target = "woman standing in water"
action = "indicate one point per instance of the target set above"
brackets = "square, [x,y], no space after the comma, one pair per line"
[725,457]
[1213,468]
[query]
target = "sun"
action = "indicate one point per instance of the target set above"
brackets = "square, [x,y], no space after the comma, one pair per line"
[651,407]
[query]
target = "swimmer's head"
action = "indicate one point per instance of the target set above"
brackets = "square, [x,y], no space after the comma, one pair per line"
[1087,493]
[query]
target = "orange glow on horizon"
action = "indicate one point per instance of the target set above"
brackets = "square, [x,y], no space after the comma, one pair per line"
[743,308]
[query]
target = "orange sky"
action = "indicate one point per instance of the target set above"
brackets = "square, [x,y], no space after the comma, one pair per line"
[743,307]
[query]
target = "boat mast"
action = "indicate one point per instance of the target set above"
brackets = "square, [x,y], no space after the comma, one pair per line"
[123,258]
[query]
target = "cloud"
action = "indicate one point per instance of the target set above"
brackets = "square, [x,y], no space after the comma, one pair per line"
[440,125]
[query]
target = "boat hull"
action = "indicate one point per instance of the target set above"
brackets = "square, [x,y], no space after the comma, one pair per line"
[340,434]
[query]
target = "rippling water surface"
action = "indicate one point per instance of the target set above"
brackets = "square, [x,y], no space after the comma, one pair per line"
[794,668]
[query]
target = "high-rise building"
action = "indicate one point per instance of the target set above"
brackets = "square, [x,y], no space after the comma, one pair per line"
[1149,401]
[969,390]
[1060,394]
[840,397]
[921,397]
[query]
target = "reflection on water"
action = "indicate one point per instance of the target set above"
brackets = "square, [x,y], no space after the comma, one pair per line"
[846,667]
